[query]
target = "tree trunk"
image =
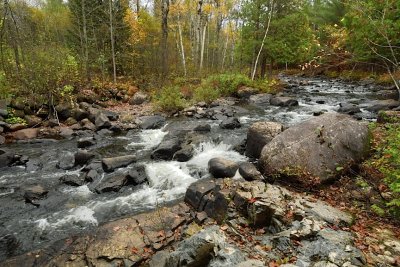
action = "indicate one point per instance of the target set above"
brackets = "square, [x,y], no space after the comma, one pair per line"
[202,47]
[112,42]
[85,40]
[164,39]
[182,48]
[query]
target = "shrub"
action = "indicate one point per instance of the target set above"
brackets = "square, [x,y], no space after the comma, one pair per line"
[206,94]
[170,99]
[227,84]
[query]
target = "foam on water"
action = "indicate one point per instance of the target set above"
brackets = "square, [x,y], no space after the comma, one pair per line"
[81,191]
[149,139]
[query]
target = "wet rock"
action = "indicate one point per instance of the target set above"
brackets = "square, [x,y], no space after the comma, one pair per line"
[79,114]
[66,132]
[166,149]
[66,161]
[63,111]
[72,179]
[320,102]
[202,128]
[249,171]
[86,142]
[350,109]
[8,246]
[260,134]
[284,101]
[150,122]
[110,164]
[34,193]
[82,157]
[195,194]
[139,98]
[5,158]
[88,125]
[112,183]
[184,154]
[383,105]
[230,123]
[32,120]
[2,139]
[222,168]
[137,175]
[246,92]
[102,121]
[260,99]
[319,147]
[26,134]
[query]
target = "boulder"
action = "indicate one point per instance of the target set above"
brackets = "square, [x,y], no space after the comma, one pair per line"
[383,105]
[222,168]
[139,98]
[86,142]
[137,175]
[283,101]
[91,175]
[70,121]
[184,154]
[196,193]
[5,158]
[82,157]
[260,134]
[72,179]
[102,121]
[2,138]
[202,128]
[112,183]
[26,134]
[320,147]
[66,161]
[350,109]
[63,111]
[110,164]
[150,122]
[88,125]
[111,115]
[3,113]
[32,120]
[16,127]
[260,99]
[249,171]
[52,123]
[166,149]
[66,132]
[79,114]
[34,193]
[230,123]
[246,92]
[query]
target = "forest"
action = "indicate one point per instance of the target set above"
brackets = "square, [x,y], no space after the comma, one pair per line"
[220,133]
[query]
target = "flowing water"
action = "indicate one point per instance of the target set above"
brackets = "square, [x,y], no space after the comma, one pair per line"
[71,210]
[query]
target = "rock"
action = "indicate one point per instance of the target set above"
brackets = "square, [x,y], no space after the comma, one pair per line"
[86,142]
[202,128]
[320,102]
[260,99]
[34,193]
[102,121]
[2,140]
[9,244]
[66,161]
[110,164]
[329,214]
[82,157]
[3,113]
[79,114]
[388,117]
[260,134]
[249,172]
[66,132]
[166,149]
[26,134]
[320,147]
[230,123]
[88,125]
[111,115]
[112,183]
[138,175]
[184,154]
[383,105]
[91,176]
[245,92]
[16,127]
[217,205]
[284,101]
[52,123]
[63,111]
[139,98]
[5,158]
[32,120]
[195,194]
[350,109]
[222,168]
[150,122]
[18,113]
[72,180]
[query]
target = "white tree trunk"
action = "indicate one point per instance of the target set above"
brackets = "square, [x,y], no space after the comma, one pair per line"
[203,41]
[112,42]
[182,47]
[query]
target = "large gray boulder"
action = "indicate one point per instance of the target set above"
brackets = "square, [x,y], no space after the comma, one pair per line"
[260,134]
[150,122]
[110,164]
[383,105]
[102,121]
[167,149]
[139,98]
[318,148]
[284,101]
[222,168]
